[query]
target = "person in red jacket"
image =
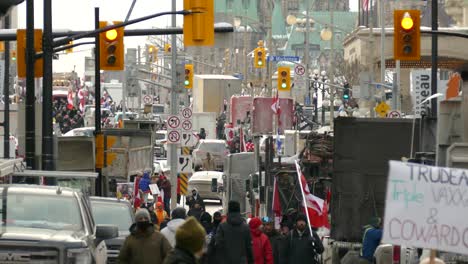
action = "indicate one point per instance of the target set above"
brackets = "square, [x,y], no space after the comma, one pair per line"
[261,246]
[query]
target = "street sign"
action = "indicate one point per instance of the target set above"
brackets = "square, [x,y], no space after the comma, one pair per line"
[299,70]
[173,137]
[283,58]
[356,91]
[394,114]
[187,139]
[173,122]
[382,109]
[364,82]
[420,90]
[148,99]
[187,125]
[186,113]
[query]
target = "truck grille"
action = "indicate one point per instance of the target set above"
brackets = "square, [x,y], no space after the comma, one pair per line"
[11,255]
[113,253]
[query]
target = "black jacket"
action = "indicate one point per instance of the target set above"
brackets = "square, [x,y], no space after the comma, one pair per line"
[195,213]
[180,256]
[192,199]
[296,248]
[276,239]
[233,241]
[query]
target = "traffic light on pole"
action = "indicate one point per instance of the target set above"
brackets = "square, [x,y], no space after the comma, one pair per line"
[346,92]
[188,81]
[111,44]
[21,52]
[167,48]
[199,25]
[407,37]
[259,57]
[284,79]
[152,53]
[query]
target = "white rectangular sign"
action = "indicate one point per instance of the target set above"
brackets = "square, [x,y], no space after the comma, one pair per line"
[420,90]
[184,163]
[426,207]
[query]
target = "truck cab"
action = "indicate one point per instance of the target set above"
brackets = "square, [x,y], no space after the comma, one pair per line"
[50,224]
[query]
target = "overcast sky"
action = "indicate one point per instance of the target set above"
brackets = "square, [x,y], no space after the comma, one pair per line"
[79,15]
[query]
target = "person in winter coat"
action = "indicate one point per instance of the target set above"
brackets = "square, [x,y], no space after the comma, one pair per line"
[178,218]
[191,200]
[143,185]
[190,238]
[166,186]
[153,216]
[260,244]
[205,221]
[196,211]
[160,213]
[275,238]
[144,245]
[233,241]
[300,245]
[210,256]
[371,240]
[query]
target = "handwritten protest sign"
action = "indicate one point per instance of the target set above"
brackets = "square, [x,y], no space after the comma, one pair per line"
[427,207]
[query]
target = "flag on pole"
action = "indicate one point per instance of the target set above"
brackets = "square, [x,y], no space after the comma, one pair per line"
[276,204]
[279,144]
[276,106]
[313,205]
[365,5]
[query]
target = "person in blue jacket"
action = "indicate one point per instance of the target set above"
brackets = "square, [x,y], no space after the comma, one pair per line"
[371,240]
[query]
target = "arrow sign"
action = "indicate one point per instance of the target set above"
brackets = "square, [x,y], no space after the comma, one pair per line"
[173,122]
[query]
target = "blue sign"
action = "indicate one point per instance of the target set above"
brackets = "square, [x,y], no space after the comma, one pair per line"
[283,58]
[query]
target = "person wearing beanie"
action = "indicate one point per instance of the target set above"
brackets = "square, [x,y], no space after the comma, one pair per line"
[274,236]
[233,241]
[260,244]
[178,218]
[190,239]
[160,212]
[371,239]
[301,245]
[144,245]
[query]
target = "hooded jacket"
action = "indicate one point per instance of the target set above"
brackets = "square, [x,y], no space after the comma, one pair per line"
[180,256]
[170,230]
[144,247]
[195,198]
[144,183]
[233,241]
[261,247]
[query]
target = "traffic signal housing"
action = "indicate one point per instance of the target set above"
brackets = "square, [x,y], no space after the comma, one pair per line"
[21,53]
[111,45]
[199,25]
[152,53]
[259,57]
[69,50]
[346,95]
[407,37]
[167,48]
[284,79]
[188,80]
[100,152]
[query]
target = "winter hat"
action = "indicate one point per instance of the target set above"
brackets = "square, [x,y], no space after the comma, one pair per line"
[158,204]
[375,221]
[301,217]
[179,213]
[234,207]
[255,223]
[142,212]
[190,236]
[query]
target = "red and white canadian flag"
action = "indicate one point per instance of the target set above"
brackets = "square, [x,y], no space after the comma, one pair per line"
[276,105]
[313,205]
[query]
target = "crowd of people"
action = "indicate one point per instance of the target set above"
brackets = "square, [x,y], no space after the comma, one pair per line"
[67,116]
[197,237]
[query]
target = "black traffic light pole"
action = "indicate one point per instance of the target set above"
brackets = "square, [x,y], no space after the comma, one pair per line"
[6,94]
[97,97]
[47,133]
[434,55]
[30,88]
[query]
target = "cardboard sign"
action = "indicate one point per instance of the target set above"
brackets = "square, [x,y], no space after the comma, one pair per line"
[426,207]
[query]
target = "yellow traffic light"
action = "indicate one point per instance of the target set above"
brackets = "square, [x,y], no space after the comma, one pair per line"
[407,37]
[21,52]
[110,156]
[188,81]
[167,47]
[284,79]
[259,57]
[199,25]
[112,48]
[152,53]
[69,50]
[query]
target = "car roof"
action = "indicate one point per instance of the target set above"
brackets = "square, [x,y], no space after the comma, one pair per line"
[108,199]
[38,189]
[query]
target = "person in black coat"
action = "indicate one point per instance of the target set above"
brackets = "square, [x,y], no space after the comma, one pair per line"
[191,200]
[233,241]
[299,245]
[196,211]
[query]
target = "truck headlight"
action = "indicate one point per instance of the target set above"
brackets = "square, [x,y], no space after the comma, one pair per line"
[79,256]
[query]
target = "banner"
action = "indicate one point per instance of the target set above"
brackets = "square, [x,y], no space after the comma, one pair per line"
[426,207]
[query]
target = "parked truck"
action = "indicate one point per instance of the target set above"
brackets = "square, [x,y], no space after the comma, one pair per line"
[211,91]
[207,121]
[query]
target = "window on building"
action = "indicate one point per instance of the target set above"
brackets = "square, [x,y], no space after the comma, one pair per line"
[293,5]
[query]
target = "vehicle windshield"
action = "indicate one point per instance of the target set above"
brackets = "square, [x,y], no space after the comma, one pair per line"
[42,211]
[112,213]
[213,147]
[160,136]
[158,109]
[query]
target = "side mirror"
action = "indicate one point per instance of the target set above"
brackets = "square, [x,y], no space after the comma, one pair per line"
[104,232]
[214,185]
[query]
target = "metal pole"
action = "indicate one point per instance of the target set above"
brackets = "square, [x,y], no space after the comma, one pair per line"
[245,58]
[6,94]
[130,10]
[371,61]
[306,48]
[174,104]
[30,88]
[397,91]
[382,41]
[332,68]
[434,60]
[47,133]
[316,100]
[323,98]
[97,96]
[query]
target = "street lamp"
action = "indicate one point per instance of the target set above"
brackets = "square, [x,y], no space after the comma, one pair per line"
[324,79]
